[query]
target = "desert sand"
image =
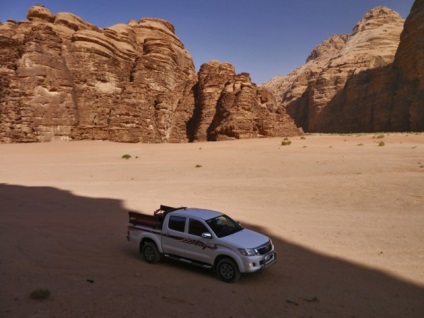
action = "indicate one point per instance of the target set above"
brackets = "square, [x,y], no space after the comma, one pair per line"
[345,214]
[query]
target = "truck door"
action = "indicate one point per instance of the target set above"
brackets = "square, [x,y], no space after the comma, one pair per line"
[174,237]
[199,248]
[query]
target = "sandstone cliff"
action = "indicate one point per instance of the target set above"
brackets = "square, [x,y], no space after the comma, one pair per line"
[408,79]
[63,78]
[290,88]
[354,83]
[230,106]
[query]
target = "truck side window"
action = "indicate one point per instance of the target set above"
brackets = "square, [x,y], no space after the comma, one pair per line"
[176,223]
[196,228]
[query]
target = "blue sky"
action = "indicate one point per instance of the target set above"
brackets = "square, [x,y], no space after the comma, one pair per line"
[265,38]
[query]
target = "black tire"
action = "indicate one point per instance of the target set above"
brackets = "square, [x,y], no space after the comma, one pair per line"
[150,252]
[227,270]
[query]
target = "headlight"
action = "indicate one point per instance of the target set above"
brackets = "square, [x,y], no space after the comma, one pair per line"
[248,251]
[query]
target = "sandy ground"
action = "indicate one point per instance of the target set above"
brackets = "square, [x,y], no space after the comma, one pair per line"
[346,217]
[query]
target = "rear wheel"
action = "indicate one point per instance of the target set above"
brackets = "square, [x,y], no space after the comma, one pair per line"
[150,252]
[227,270]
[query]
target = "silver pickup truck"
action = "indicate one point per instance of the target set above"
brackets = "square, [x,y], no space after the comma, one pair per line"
[206,238]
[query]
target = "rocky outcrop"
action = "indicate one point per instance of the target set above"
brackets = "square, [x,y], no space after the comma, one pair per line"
[73,80]
[408,79]
[336,97]
[352,83]
[63,78]
[290,87]
[230,106]
[213,77]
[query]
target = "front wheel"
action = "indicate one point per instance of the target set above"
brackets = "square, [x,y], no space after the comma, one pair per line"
[227,270]
[150,252]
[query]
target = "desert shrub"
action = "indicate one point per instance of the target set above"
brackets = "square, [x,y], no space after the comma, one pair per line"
[198,166]
[40,294]
[285,143]
[379,136]
[381,143]
[126,156]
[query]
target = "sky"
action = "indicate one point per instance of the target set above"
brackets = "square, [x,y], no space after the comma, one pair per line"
[264,38]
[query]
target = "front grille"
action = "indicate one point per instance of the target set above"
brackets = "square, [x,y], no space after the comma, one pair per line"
[263,249]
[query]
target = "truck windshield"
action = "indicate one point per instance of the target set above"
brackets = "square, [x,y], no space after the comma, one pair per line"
[223,225]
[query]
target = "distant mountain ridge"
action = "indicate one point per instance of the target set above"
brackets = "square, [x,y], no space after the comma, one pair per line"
[370,80]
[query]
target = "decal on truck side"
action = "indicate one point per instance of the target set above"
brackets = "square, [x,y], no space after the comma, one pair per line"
[192,242]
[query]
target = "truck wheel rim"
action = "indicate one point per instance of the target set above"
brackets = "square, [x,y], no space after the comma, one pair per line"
[149,254]
[227,271]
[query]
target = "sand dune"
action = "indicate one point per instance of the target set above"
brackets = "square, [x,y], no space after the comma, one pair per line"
[346,216]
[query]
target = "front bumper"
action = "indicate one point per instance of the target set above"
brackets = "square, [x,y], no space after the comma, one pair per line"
[256,263]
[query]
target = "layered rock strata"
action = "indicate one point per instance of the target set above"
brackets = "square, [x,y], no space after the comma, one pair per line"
[230,106]
[63,78]
[72,80]
[362,82]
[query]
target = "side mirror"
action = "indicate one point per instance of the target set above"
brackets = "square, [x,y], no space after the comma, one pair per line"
[206,235]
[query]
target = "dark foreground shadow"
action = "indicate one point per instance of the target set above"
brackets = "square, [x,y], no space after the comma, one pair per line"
[75,247]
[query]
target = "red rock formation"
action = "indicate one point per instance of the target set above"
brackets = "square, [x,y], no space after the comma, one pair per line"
[338,100]
[213,77]
[359,85]
[290,89]
[63,78]
[230,106]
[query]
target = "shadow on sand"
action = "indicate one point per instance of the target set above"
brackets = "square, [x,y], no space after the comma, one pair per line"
[75,246]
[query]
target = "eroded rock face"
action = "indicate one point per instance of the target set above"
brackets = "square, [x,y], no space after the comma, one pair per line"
[213,77]
[372,45]
[354,83]
[408,67]
[230,106]
[63,78]
[294,84]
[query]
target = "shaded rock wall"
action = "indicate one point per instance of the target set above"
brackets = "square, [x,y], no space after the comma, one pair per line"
[63,78]
[368,83]
[291,90]
[408,69]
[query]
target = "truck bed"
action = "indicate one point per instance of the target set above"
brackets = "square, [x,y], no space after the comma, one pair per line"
[152,221]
